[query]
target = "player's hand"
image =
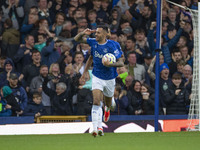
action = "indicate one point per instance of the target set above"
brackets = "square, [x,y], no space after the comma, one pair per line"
[105,62]
[88,31]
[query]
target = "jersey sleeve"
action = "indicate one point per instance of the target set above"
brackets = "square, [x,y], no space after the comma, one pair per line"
[118,51]
[91,41]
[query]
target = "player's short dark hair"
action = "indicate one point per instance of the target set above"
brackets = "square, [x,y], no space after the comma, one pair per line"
[104,27]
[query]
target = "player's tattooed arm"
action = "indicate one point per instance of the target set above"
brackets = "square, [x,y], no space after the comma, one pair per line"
[118,63]
[80,36]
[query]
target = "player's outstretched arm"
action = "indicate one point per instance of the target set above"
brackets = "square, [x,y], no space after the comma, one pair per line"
[87,66]
[80,36]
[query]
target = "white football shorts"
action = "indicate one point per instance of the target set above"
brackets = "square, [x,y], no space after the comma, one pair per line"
[106,86]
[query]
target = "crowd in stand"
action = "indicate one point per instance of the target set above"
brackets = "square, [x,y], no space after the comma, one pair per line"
[41,64]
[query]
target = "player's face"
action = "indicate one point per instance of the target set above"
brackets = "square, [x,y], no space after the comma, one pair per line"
[100,35]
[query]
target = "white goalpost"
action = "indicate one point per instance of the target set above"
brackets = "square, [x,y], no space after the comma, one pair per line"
[194,110]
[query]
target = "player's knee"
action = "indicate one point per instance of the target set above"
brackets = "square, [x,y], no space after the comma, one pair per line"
[96,102]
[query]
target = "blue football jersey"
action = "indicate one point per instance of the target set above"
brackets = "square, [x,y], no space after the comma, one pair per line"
[98,51]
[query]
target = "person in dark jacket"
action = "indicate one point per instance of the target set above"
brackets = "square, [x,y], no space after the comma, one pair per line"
[18,91]
[135,99]
[35,108]
[148,96]
[10,40]
[60,101]
[121,101]
[11,100]
[24,53]
[8,69]
[176,97]
[50,53]
[4,112]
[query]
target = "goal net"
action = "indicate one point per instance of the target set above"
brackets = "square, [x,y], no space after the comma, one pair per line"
[194,110]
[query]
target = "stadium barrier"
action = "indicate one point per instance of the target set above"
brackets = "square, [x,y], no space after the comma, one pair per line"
[60,119]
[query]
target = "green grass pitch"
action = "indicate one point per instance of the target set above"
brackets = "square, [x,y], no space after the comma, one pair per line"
[110,141]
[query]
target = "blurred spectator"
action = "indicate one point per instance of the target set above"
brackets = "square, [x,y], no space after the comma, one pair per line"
[122,74]
[135,99]
[9,68]
[165,83]
[58,25]
[32,70]
[84,95]
[58,6]
[24,53]
[85,49]
[36,86]
[43,11]
[18,91]
[101,14]
[12,10]
[35,107]
[4,112]
[79,65]
[148,96]
[134,69]
[29,4]
[123,4]
[131,47]
[129,80]
[172,18]
[2,61]
[50,53]
[185,54]
[176,57]
[29,25]
[61,103]
[114,19]
[10,40]
[92,19]
[147,61]
[187,73]
[42,39]
[121,101]
[176,97]
[141,40]
[180,65]
[166,48]
[12,104]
